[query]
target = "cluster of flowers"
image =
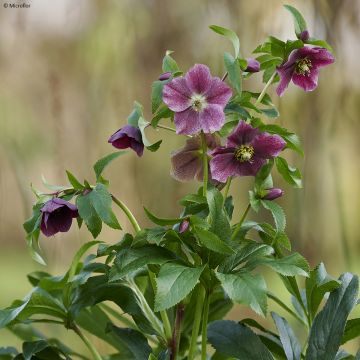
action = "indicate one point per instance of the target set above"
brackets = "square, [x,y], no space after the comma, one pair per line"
[198,101]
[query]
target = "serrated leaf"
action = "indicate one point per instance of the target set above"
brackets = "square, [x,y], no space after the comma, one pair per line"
[231,35]
[143,124]
[212,242]
[328,326]
[75,183]
[352,330]
[277,213]
[299,21]
[246,288]
[174,283]
[89,214]
[156,94]
[137,112]
[288,339]
[101,164]
[237,340]
[234,71]
[290,174]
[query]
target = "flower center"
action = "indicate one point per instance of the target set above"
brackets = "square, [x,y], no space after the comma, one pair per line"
[244,153]
[198,102]
[303,67]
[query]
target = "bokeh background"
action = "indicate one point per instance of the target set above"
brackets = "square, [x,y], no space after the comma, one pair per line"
[70,71]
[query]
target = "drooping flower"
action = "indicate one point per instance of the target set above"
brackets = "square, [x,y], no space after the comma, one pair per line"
[187,163]
[57,215]
[302,67]
[246,151]
[128,137]
[165,76]
[252,65]
[198,100]
[272,194]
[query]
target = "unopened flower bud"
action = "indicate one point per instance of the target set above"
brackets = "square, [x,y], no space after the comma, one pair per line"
[273,193]
[184,226]
[252,65]
[165,76]
[304,35]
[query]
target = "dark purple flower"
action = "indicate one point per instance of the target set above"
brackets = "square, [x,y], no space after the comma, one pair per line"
[304,35]
[57,215]
[246,151]
[128,137]
[272,194]
[302,67]
[165,76]
[184,226]
[252,65]
[187,163]
[198,100]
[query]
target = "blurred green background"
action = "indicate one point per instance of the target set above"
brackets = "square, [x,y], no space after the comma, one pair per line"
[70,71]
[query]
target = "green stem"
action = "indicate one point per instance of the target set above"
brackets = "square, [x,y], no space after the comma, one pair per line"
[175,342]
[197,320]
[163,314]
[88,344]
[238,226]
[205,163]
[204,326]
[165,128]
[127,212]
[263,92]
[227,187]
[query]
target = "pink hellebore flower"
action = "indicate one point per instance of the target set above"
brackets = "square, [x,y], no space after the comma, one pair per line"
[302,67]
[198,100]
[247,150]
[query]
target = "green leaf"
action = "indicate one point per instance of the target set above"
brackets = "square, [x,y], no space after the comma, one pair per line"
[129,260]
[143,124]
[162,221]
[277,213]
[234,71]
[291,265]
[352,330]
[236,340]
[75,183]
[272,113]
[156,94]
[299,21]
[329,325]
[231,35]
[218,219]
[212,242]
[288,339]
[101,164]
[321,43]
[246,288]
[174,282]
[169,64]
[163,113]
[133,118]
[290,174]
[317,285]
[134,341]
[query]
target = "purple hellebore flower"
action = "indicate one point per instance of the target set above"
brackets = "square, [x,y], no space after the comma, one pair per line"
[302,67]
[187,163]
[198,100]
[252,65]
[246,151]
[57,215]
[165,76]
[273,193]
[128,137]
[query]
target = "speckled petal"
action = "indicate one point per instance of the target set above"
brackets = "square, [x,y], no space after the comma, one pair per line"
[308,83]
[321,57]
[187,122]
[267,146]
[285,74]
[242,134]
[223,164]
[198,79]
[219,93]
[176,94]
[212,118]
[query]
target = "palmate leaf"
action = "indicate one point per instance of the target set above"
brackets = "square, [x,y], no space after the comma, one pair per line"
[174,283]
[236,340]
[277,213]
[328,326]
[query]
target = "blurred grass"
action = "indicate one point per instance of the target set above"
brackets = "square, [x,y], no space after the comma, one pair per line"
[70,73]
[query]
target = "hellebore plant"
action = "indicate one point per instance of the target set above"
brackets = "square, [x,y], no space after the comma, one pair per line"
[161,293]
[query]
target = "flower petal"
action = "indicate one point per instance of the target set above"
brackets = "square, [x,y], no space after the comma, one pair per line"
[242,134]
[219,93]
[250,168]
[267,146]
[308,83]
[187,122]
[198,79]
[47,228]
[321,57]
[70,206]
[223,165]
[285,74]
[176,94]
[212,118]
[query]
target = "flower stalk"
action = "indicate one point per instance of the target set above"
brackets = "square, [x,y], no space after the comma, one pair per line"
[205,317]
[205,163]
[87,342]
[238,226]
[128,213]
